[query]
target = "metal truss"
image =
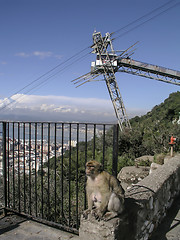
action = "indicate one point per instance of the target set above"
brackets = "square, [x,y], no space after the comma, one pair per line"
[149,71]
[100,46]
[147,74]
[124,63]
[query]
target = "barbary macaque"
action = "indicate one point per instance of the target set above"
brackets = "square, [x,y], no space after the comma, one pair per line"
[104,193]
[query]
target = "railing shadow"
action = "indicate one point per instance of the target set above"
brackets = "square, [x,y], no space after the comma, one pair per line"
[10,222]
[170,222]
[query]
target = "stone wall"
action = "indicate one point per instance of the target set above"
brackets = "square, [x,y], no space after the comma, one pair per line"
[146,204]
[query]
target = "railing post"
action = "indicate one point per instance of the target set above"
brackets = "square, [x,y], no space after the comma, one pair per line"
[4,168]
[115,149]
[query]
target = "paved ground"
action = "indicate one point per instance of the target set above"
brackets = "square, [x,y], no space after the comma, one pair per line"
[14,227]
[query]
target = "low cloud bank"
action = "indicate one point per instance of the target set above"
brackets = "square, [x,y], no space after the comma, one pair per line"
[59,108]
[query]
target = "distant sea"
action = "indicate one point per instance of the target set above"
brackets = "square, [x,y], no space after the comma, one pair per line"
[61,131]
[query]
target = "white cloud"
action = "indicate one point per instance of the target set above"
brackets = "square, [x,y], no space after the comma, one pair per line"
[22,54]
[39,54]
[58,56]
[60,108]
[45,107]
[42,54]
[61,101]
[4,102]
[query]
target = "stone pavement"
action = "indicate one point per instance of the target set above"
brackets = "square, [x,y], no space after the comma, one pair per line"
[13,227]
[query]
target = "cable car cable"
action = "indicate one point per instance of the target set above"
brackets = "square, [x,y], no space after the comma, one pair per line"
[121,35]
[14,101]
[115,32]
[37,79]
[138,19]
[44,75]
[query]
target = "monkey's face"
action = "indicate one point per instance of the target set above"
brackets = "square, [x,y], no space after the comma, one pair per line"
[92,168]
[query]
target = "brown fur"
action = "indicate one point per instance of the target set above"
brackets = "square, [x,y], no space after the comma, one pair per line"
[104,192]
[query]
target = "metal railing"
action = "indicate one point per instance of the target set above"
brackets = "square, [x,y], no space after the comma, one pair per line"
[44,167]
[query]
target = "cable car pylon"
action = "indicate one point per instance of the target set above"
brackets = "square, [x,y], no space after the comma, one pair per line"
[108,62]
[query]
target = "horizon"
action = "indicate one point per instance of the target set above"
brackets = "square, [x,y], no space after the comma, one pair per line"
[34,113]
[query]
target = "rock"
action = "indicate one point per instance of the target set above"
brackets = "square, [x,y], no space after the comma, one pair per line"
[114,229]
[153,167]
[131,175]
[144,160]
[167,158]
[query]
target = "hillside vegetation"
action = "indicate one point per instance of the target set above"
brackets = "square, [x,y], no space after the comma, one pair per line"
[151,132]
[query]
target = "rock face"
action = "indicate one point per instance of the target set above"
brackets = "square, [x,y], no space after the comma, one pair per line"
[131,175]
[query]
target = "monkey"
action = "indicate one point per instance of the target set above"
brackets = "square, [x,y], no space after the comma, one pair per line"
[105,195]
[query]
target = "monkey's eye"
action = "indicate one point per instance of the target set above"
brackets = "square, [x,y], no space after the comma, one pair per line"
[91,167]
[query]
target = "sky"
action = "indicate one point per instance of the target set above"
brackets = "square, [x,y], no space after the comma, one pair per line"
[45,45]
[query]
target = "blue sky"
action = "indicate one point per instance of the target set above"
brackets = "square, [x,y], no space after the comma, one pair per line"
[38,35]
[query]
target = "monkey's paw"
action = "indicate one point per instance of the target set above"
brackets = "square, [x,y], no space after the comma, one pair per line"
[86,213]
[109,215]
[97,214]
